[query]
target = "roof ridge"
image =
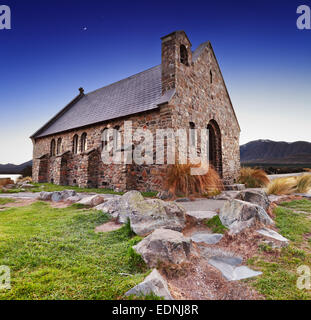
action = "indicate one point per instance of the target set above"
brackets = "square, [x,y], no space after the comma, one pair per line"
[124,79]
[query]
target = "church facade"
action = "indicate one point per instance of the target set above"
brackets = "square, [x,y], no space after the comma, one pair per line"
[186,91]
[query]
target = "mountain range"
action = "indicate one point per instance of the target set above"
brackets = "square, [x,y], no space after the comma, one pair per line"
[273,152]
[10,168]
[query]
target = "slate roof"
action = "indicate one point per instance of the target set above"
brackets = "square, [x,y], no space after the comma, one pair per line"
[138,93]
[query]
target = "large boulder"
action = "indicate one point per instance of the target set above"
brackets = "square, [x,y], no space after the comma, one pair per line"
[145,215]
[164,246]
[56,196]
[239,215]
[92,201]
[121,207]
[152,214]
[153,284]
[258,197]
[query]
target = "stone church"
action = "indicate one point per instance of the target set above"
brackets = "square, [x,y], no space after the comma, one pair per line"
[186,91]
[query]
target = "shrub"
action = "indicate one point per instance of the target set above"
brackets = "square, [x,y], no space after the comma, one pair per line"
[282,186]
[303,183]
[216,225]
[25,179]
[180,181]
[253,178]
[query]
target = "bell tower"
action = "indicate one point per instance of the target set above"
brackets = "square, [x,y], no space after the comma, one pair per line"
[176,54]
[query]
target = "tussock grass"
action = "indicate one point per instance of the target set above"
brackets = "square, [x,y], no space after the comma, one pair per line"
[180,181]
[253,178]
[287,186]
[281,186]
[303,183]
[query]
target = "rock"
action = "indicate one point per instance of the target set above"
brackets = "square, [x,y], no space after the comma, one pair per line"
[235,187]
[27,186]
[238,226]
[164,245]
[165,195]
[236,211]
[273,235]
[150,215]
[208,238]
[155,284]
[230,270]
[200,216]
[62,195]
[45,196]
[11,186]
[73,199]
[258,197]
[92,201]
[121,207]
[226,195]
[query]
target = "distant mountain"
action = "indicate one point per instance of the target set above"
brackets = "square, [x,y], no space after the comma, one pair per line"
[272,152]
[13,168]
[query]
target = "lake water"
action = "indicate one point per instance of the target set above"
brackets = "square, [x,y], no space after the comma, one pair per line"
[14,177]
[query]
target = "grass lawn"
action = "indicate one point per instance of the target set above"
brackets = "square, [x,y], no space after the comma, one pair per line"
[4,201]
[49,187]
[55,254]
[279,266]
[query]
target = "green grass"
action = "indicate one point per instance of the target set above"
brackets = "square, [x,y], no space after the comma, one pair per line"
[279,266]
[299,205]
[49,187]
[4,201]
[55,254]
[216,225]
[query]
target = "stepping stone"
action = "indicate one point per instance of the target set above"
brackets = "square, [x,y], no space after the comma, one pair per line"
[272,234]
[229,268]
[208,238]
[202,215]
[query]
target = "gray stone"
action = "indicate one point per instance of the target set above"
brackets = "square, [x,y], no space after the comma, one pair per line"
[57,196]
[164,245]
[165,195]
[230,269]
[208,238]
[199,216]
[240,211]
[45,196]
[238,226]
[27,186]
[152,214]
[155,284]
[73,199]
[92,201]
[183,200]
[272,234]
[235,187]
[121,207]
[62,195]
[258,197]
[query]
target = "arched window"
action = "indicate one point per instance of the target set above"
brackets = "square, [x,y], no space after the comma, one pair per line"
[52,152]
[211,76]
[183,55]
[83,142]
[116,137]
[104,138]
[59,146]
[75,144]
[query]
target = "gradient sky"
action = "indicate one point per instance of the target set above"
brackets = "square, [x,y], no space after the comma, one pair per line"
[47,56]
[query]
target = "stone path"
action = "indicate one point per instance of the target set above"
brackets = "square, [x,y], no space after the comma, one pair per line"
[203,205]
[208,238]
[287,175]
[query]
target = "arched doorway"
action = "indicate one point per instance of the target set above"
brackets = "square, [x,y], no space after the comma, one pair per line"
[215,150]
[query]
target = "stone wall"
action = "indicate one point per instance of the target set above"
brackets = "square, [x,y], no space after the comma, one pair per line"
[199,101]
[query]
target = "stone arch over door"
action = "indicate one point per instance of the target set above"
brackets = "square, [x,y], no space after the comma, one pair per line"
[215,147]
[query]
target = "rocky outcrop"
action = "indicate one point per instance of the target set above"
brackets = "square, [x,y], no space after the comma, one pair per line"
[238,215]
[153,284]
[145,215]
[92,201]
[56,196]
[258,197]
[164,246]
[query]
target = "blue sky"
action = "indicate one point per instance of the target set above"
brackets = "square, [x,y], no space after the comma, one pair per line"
[47,56]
